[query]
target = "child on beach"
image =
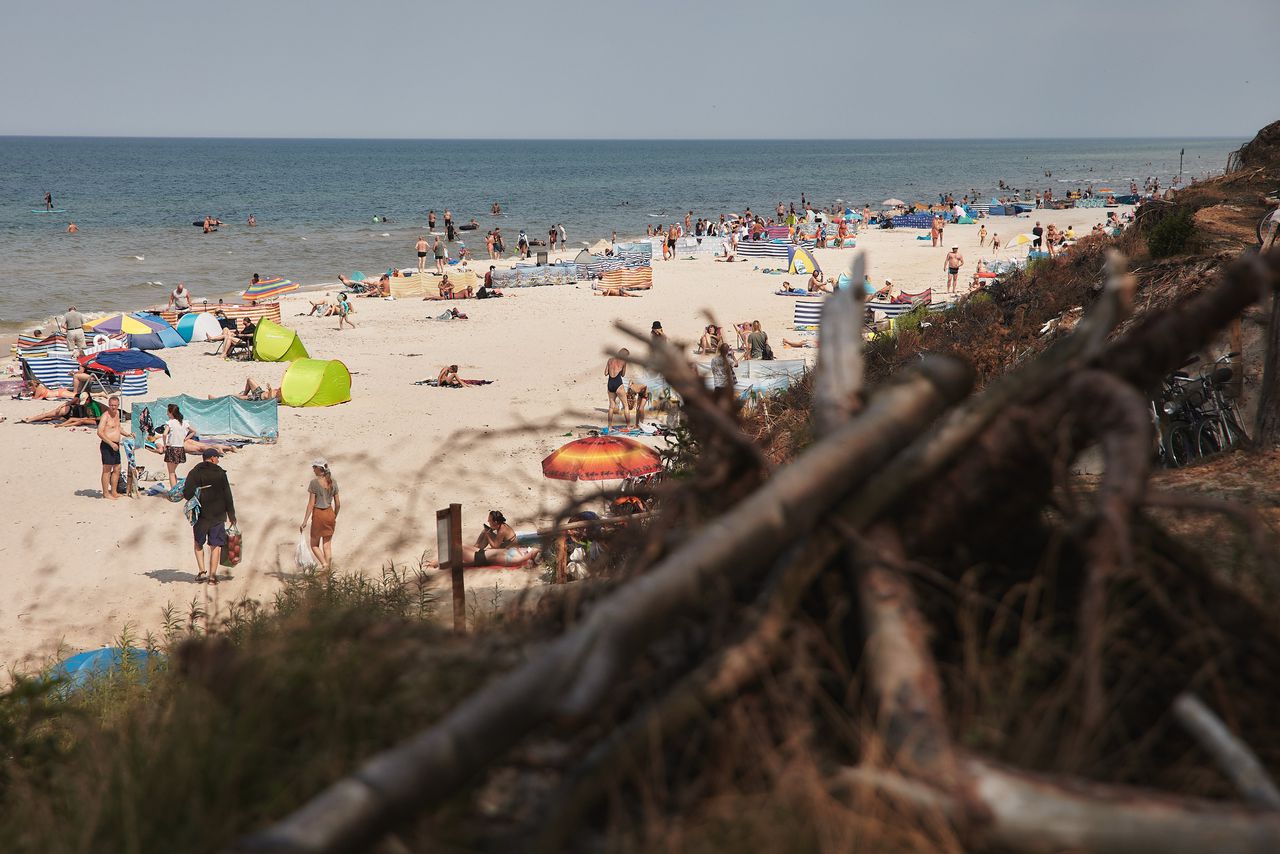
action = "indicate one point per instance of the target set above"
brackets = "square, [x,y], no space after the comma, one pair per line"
[344,312]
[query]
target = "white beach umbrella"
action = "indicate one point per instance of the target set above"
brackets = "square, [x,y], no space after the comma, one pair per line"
[893,203]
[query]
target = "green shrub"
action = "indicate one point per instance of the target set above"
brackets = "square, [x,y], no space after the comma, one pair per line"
[1169,236]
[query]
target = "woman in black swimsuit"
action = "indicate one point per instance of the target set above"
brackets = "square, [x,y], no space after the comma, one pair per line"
[614,370]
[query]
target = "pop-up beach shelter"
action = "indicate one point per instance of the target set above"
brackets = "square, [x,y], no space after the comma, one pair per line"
[199,326]
[802,261]
[275,343]
[315,382]
[162,335]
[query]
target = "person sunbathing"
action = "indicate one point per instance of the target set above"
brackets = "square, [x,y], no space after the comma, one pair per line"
[77,412]
[799,344]
[447,291]
[253,390]
[191,445]
[448,377]
[231,337]
[612,291]
[743,329]
[710,340]
[322,308]
[379,289]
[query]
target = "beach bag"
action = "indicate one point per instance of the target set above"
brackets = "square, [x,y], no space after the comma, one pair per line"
[766,352]
[231,553]
[306,559]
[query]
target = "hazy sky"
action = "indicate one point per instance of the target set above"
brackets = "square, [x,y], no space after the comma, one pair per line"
[657,69]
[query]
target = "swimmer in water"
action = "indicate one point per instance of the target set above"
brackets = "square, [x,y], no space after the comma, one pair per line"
[72,228]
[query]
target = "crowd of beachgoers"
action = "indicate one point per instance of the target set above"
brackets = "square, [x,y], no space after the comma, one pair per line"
[370,317]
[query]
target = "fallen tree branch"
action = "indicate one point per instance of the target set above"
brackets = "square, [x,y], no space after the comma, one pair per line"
[900,668]
[567,678]
[1233,756]
[1040,814]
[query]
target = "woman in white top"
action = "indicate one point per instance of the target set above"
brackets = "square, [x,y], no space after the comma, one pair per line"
[175,436]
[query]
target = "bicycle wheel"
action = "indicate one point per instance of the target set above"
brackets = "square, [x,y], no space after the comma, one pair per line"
[1178,448]
[1209,437]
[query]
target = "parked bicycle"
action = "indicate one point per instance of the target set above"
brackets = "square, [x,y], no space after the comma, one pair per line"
[1196,416]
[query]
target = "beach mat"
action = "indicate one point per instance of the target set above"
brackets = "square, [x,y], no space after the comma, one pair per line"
[434,383]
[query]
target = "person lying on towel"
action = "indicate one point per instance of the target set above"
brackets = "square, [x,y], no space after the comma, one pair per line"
[496,546]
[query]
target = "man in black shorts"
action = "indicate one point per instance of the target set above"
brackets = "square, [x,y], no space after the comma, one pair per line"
[1038,234]
[110,435]
[216,508]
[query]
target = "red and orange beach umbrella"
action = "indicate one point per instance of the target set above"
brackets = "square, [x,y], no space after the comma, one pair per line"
[602,458]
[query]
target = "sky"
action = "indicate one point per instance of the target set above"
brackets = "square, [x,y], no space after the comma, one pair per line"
[655,69]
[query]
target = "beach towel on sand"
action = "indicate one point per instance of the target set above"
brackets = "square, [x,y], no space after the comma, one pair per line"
[434,383]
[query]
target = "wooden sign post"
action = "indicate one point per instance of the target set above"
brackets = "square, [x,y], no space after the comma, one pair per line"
[449,553]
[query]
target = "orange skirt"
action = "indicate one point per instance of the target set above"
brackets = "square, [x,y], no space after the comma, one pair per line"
[322,524]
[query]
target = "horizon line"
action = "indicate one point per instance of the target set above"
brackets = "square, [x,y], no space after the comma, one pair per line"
[618,139]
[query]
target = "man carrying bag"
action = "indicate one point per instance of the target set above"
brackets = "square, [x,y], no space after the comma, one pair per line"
[209,508]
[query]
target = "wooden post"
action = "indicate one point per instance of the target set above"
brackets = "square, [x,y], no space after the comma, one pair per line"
[449,552]
[562,557]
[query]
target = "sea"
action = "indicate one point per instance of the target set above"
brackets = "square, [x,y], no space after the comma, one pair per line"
[135,200]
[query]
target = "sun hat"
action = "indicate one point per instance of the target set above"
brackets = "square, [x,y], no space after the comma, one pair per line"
[320,463]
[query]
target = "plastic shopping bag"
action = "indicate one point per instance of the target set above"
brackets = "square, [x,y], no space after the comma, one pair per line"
[305,557]
[231,554]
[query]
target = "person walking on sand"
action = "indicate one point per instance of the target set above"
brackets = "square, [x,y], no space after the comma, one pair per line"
[564,237]
[995,244]
[344,311]
[110,435]
[952,264]
[323,506]
[209,481]
[615,370]
[176,432]
[421,248]
[934,230]
[982,236]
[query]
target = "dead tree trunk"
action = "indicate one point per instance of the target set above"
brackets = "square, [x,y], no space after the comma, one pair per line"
[1268,432]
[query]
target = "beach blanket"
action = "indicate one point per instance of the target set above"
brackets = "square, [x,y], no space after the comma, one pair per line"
[449,315]
[794,292]
[435,383]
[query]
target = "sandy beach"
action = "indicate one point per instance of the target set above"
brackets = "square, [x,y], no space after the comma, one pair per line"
[77,569]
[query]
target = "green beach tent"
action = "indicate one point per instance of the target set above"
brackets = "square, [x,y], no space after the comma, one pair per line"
[274,343]
[315,382]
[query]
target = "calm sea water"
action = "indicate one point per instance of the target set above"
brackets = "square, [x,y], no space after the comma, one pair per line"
[135,199]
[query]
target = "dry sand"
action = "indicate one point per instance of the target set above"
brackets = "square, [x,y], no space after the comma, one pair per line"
[76,569]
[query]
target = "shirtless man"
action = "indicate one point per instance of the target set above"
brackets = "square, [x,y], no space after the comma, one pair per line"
[935,230]
[817,284]
[952,265]
[614,370]
[110,434]
[982,236]
[72,228]
[421,248]
[448,377]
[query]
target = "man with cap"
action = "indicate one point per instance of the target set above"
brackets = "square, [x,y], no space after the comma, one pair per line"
[209,481]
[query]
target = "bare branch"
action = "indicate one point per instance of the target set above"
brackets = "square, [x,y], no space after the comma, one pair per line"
[1233,756]
[838,377]
[567,678]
